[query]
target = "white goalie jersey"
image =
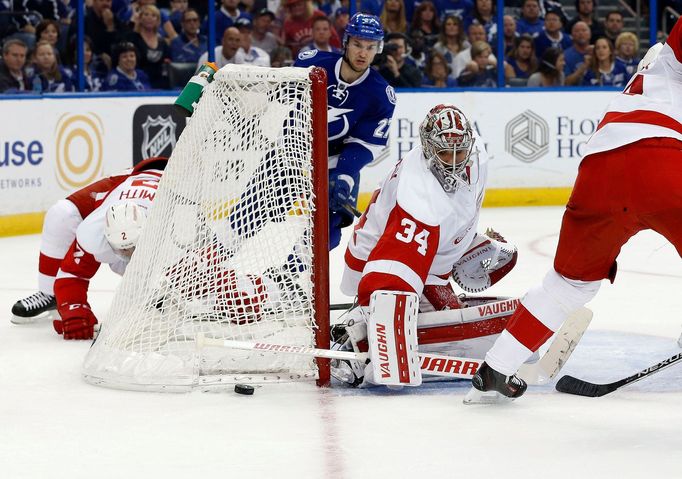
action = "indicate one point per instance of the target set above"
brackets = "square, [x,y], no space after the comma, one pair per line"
[413,232]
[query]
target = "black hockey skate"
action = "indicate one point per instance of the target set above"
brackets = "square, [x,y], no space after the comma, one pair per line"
[34,307]
[344,370]
[490,387]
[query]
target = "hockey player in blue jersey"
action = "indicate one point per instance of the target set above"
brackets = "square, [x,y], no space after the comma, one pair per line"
[360,107]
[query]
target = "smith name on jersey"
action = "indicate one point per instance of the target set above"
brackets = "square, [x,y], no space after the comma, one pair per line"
[359,113]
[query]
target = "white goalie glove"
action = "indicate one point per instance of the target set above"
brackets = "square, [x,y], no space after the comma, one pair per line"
[488,260]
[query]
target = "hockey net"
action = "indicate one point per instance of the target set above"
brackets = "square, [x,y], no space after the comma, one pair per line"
[235,246]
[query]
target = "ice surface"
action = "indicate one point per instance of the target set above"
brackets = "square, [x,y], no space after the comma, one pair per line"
[53,425]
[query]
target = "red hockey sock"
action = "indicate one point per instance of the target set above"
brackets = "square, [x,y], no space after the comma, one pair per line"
[527,329]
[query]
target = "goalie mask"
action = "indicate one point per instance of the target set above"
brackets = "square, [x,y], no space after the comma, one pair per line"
[123,227]
[447,142]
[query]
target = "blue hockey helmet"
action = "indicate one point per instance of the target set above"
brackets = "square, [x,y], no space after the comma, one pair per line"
[365,26]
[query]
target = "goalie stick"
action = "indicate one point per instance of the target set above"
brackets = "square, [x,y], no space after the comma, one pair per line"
[453,367]
[572,385]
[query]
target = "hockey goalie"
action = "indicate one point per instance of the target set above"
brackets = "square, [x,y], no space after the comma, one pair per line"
[420,230]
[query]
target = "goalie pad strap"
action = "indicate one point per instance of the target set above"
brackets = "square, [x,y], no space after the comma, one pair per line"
[392,336]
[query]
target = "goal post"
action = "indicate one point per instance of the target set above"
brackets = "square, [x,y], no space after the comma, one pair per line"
[235,246]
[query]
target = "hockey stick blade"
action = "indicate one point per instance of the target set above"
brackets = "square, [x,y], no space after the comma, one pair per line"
[572,385]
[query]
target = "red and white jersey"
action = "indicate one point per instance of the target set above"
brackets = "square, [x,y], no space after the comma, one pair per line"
[651,104]
[91,248]
[413,232]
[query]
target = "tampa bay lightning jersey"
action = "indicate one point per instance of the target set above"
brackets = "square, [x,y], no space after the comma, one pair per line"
[359,113]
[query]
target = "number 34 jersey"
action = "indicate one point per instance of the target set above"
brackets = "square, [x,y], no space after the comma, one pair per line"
[413,231]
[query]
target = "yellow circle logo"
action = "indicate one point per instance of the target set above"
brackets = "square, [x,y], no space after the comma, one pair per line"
[79,150]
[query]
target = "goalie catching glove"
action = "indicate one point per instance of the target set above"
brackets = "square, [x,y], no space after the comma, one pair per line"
[488,260]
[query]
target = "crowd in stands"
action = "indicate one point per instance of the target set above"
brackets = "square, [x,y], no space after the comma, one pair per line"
[157,44]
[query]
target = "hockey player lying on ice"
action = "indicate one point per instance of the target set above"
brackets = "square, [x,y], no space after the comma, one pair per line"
[97,224]
[628,181]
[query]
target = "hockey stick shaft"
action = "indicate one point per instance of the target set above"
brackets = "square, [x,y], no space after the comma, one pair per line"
[573,385]
[433,364]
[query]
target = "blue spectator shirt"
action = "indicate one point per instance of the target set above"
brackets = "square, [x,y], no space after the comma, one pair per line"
[119,81]
[460,8]
[358,114]
[543,42]
[573,59]
[94,81]
[618,76]
[517,71]
[532,29]
[449,82]
[223,21]
[630,65]
[41,84]
[185,51]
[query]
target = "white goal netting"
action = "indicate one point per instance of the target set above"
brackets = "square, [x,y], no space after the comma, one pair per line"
[227,250]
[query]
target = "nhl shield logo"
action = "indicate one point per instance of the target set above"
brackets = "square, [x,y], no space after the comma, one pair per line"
[158,136]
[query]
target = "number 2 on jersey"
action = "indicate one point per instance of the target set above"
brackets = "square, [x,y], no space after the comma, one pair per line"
[408,235]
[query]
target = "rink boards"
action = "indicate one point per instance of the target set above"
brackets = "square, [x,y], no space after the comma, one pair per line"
[54,145]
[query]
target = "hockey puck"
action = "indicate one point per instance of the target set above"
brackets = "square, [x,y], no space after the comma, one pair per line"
[243,389]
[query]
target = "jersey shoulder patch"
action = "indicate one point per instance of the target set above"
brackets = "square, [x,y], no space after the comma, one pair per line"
[308,54]
[390,94]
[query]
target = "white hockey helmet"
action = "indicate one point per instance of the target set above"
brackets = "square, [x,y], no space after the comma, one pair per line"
[447,129]
[123,226]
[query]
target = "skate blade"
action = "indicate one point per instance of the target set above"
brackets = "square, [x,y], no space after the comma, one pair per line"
[47,315]
[474,396]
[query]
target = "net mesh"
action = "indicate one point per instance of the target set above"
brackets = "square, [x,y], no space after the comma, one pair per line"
[227,248]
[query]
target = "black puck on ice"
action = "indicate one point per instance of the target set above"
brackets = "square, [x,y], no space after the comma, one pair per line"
[243,389]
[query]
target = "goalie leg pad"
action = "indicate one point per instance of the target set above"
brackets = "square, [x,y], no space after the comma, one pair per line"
[392,335]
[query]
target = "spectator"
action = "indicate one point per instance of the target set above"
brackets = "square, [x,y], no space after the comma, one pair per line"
[523,60]
[437,72]
[416,51]
[452,39]
[627,47]
[552,35]
[49,76]
[556,6]
[261,36]
[226,17]
[228,51]
[281,57]
[476,34]
[190,44]
[530,21]
[49,30]
[481,71]
[322,33]
[460,8]
[613,25]
[126,76]
[579,55]
[177,9]
[484,13]
[510,34]
[102,27]
[397,72]
[13,77]
[604,70]
[550,71]
[95,68]
[393,17]
[341,18]
[252,55]
[153,50]
[425,20]
[585,12]
[46,10]
[298,25]
[166,29]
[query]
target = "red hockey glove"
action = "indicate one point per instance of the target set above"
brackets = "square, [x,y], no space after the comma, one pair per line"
[77,321]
